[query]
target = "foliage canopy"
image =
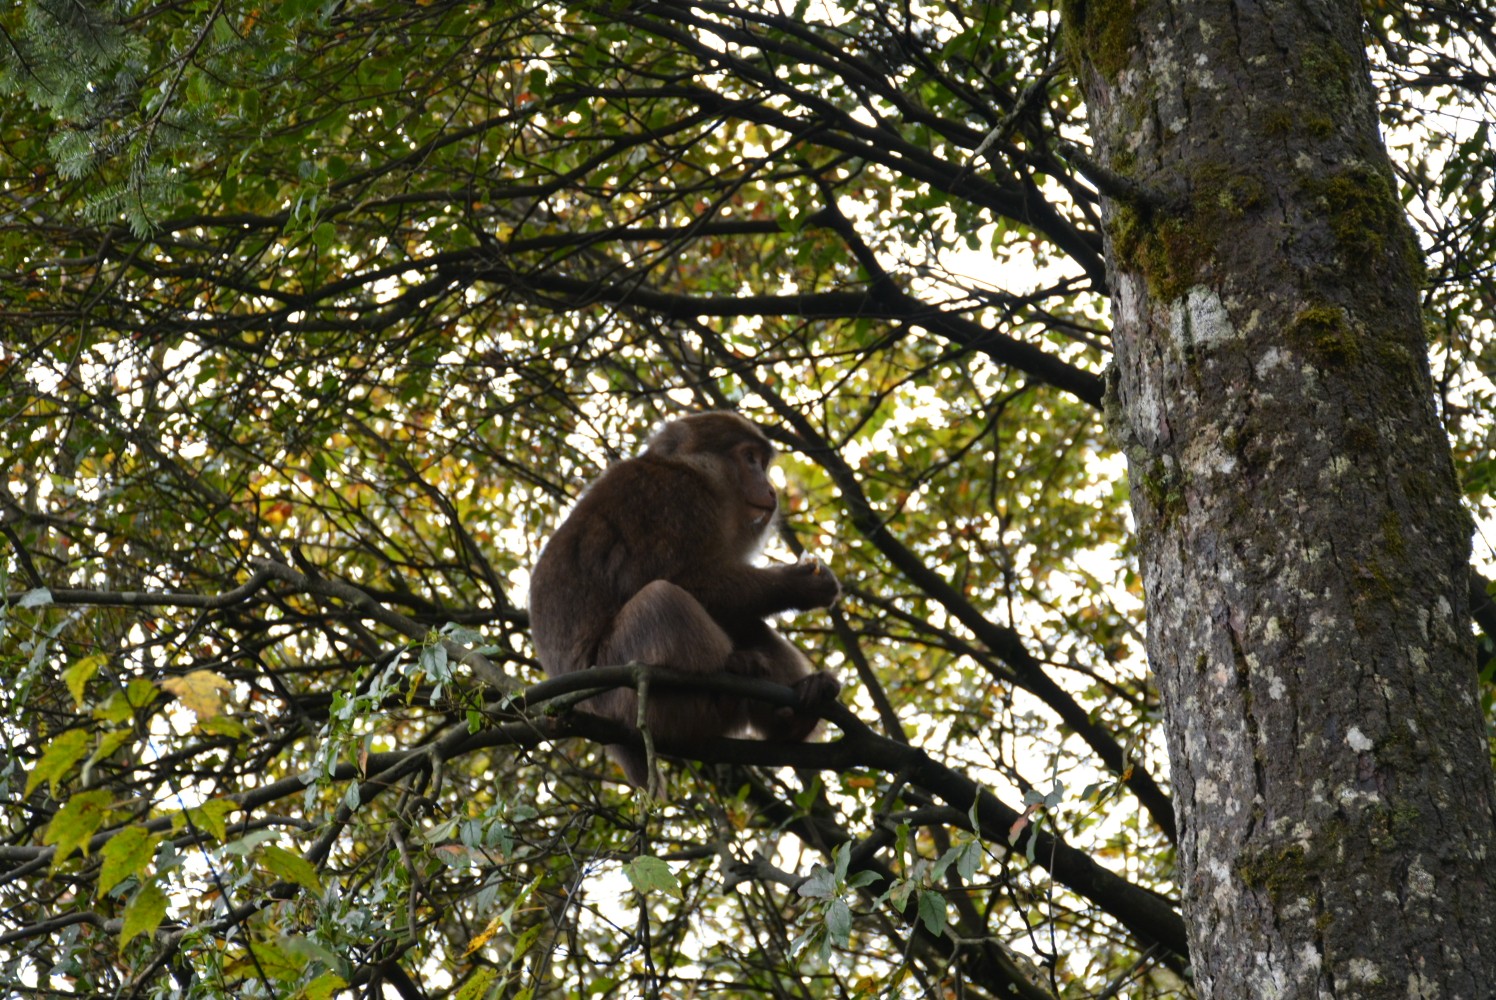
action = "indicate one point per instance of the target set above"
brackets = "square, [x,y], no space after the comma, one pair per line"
[316,316]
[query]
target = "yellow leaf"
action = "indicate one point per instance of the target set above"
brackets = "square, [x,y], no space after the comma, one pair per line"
[482,937]
[80,673]
[199,691]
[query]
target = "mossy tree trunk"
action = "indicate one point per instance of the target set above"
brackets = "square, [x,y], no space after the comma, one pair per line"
[1303,545]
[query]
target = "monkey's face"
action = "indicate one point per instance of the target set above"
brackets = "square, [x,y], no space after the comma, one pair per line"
[750,468]
[745,472]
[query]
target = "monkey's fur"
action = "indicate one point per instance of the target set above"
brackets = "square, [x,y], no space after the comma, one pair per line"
[655,565]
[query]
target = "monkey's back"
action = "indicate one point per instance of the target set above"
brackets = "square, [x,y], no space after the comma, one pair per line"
[644,519]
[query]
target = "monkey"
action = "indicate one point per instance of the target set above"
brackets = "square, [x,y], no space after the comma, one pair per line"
[655,564]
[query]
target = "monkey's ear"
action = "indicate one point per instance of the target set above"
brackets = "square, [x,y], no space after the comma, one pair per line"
[670,438]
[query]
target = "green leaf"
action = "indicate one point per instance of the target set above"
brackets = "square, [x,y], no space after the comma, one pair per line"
[116,709]
[211,817]
[898,893]
[224,725]
[478,985]
[966,857]
[246,844]
[143,913]
[124,854]
[647,874]
[946,860]
[820,885]
[291,867]
[108,743]
[970,860]
[524,942]
[140,692]
[839,922]
[932,912]
[77,821]
[58,758]
[433,661]
[40,597]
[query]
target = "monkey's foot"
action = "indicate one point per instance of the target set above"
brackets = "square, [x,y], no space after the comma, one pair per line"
[793,725]
[817,690]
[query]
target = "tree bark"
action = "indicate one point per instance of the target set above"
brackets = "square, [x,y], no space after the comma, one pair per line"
[1303,546]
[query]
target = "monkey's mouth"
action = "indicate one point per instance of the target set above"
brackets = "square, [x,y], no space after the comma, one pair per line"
[762,515]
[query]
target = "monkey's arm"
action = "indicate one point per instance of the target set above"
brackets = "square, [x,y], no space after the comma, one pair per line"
[741,591]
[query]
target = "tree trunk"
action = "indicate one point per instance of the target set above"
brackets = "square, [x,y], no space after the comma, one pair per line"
[1302,540]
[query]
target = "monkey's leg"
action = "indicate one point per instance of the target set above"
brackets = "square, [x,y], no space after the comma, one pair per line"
[771,656]
[665,626]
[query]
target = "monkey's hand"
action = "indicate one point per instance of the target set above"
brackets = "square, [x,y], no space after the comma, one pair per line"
[814,583]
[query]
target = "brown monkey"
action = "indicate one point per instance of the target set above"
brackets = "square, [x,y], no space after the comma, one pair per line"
[655,565]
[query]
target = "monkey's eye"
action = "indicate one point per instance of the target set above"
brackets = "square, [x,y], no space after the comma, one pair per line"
[754,456]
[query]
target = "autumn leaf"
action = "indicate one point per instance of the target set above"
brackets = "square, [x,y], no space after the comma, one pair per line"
[79,674]
[484,936]
[199,691]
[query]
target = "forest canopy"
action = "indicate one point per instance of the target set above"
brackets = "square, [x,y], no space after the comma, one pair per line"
[315,320]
